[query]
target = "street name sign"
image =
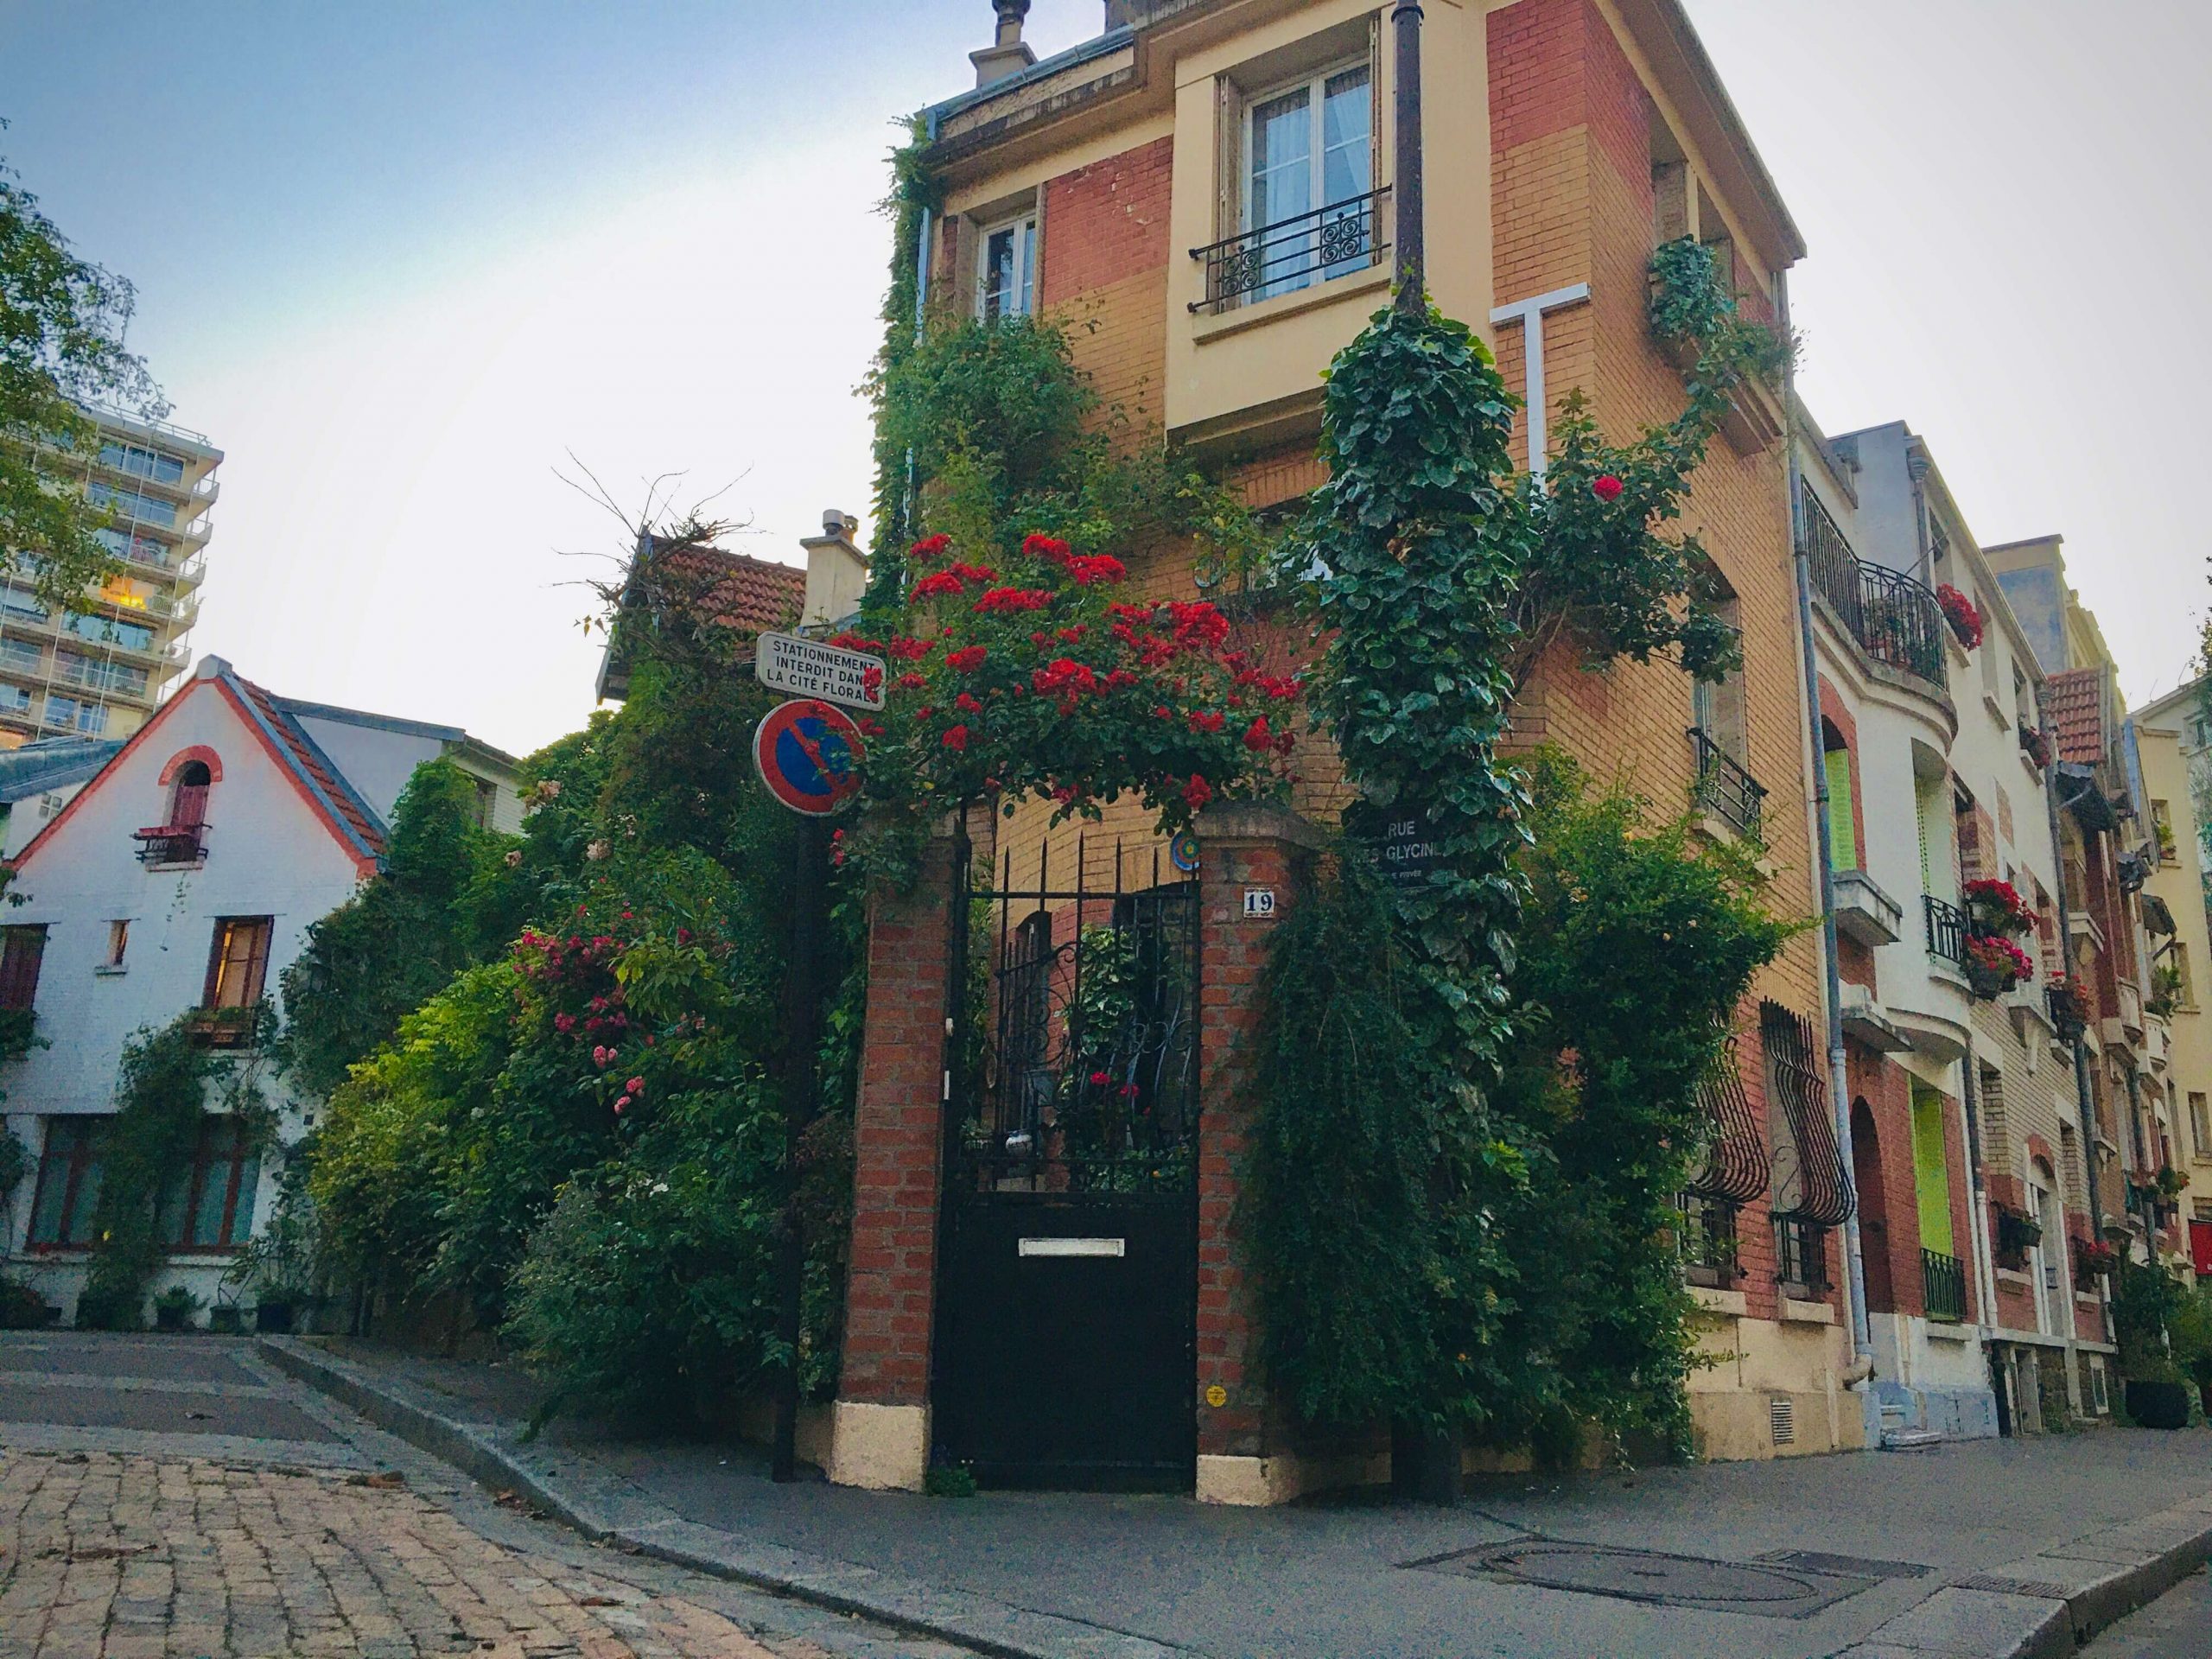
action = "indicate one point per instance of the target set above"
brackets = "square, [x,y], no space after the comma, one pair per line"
[806,668]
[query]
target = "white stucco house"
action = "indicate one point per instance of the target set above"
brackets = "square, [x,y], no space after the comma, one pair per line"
[184,877]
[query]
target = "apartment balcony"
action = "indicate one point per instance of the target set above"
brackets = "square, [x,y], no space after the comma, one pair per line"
[1293,254]
[1947,930]
[1894,619]
[1943,1287]
[2131,1009]
[172,846]
[1723,789]
[1865,1022]
[1864,912]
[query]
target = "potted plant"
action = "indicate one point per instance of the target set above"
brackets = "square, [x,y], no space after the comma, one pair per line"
[2070,1005]
[1996,908]
[1959,611]
[2094,1259]
[173,1308]
[2017,1232]
[2035,743]
[1995,965]
[226,1318]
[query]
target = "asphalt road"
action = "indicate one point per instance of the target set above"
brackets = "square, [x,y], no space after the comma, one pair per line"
[174,1496]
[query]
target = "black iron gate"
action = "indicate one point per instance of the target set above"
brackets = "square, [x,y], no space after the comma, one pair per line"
[1066,1348]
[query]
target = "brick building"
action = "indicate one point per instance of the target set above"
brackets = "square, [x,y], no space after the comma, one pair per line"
[1203,190]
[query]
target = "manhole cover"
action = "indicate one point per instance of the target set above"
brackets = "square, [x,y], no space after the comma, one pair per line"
[1768,1589]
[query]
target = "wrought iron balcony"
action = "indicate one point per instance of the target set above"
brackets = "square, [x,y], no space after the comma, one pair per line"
[172,843]
[1943,1287]
[1946,929]
[1724,787]
[1895,620]
[1293,253]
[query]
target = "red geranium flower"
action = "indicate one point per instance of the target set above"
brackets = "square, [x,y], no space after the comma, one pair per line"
[1606,487]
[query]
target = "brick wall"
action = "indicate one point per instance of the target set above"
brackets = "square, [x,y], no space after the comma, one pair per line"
[896,1142]
[1889,1217]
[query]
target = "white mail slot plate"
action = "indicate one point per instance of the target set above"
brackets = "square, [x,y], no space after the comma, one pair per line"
[1074,1247]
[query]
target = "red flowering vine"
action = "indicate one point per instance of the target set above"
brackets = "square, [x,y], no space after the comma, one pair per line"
[1035,677]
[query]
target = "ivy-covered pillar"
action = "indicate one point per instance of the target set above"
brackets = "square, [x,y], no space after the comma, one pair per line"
[1256,860]
[881,1421]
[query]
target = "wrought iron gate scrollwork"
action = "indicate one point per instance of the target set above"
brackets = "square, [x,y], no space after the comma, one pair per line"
[1078,1076]
[1810,1182]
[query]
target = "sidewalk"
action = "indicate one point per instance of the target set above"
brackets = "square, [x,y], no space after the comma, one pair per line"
[2063,1533]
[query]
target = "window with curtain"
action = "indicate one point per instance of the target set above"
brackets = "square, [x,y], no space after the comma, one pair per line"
[1309,149]
[208,1203]
[238,964]
[68,1184]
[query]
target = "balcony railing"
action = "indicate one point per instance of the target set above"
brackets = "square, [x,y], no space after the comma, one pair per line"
[172,843]
[1724,787]
[1895,620]
[1800,1256]
[1943,1287]
[1946,929]
[1293,253]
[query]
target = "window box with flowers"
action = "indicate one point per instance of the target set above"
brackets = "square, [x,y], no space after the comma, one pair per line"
[2094,1259]
[2069,1006]
[1959,611]
[1997,909]
[2036,744]
[2017,1232]
[1994,966]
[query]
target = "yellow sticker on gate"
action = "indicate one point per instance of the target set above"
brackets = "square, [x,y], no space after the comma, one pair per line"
[1216,1395]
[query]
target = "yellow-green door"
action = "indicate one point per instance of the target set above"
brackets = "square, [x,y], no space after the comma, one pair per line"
[1931,1170]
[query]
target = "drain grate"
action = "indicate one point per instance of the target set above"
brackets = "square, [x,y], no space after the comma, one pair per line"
[2043,1588]
[1766,1589]
[1854,1566]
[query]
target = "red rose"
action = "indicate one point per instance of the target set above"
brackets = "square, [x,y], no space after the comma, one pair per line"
[930,547]
[1205,720]
[1257,737]
[967,704]
[1197,792]
[966,660]
[1605,487]
[956,737]
[1100,1079]
[910,681]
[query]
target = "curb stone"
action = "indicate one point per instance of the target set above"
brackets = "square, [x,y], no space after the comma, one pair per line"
[608,1510]
[2043,1606]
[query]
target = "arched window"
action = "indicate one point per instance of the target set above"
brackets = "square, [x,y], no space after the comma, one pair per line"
[189,796]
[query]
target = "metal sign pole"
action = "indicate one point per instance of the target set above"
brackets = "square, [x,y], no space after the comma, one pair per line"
[1405,195]
[802,1064]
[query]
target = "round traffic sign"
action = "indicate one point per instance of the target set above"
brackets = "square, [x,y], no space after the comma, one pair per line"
[807,754]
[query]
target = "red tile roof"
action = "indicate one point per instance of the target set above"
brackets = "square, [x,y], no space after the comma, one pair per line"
[2076,706]
[748,596]
[309,760]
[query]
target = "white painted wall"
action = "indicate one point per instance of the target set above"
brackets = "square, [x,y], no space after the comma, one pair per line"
[269,855]
[26,817]
[379,762]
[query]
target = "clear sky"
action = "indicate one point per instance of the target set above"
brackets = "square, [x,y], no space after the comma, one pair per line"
[401,260]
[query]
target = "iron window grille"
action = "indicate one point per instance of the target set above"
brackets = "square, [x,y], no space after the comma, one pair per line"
[1707,1240]
[1293,253]
[1943,1287]
[1724,787]
[1801,1257]
[1810,1182]
[1946,929]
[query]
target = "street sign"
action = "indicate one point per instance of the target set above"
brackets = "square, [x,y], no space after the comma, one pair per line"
[1406,851]
[808,755]
[806,668]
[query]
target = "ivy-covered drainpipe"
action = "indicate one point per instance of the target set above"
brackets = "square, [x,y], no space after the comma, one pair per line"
[1824,852]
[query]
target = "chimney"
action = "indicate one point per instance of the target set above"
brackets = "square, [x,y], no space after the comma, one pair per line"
[836,574]
[1007,55]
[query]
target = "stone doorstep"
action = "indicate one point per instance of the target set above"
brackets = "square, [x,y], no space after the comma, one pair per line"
[607,1509]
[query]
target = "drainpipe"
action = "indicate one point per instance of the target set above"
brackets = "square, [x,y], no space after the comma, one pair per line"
[1407,231]
[1984,1266]
[1824,860]
[2085,1100]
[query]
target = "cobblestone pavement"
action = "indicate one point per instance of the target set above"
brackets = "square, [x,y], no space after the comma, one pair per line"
[129,1557]
[178,1498]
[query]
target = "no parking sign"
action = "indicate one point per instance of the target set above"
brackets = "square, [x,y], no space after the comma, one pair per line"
[807,754]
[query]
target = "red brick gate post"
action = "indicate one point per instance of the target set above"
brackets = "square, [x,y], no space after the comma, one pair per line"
[880,1425]
[1264,853]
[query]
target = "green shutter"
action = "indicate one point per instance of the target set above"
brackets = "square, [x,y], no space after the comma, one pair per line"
[1843,824]
[1931,1171]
